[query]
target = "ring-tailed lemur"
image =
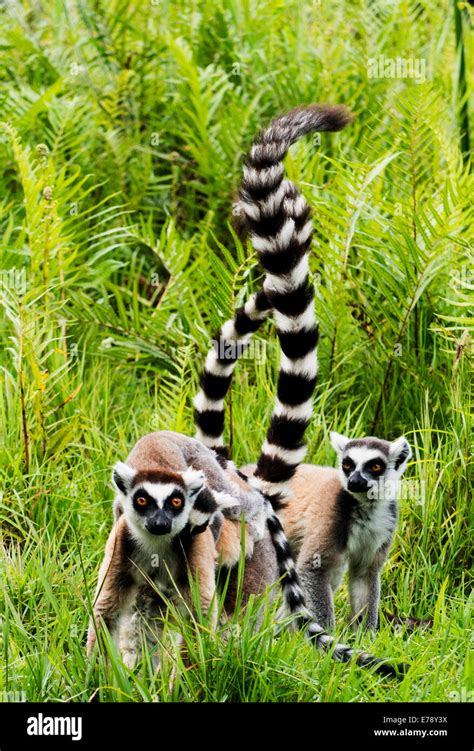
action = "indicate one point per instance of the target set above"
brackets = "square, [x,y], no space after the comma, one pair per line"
[166,494]
[276,216]
[346,518]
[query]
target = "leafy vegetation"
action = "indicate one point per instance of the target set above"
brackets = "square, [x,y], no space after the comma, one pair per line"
[124,126]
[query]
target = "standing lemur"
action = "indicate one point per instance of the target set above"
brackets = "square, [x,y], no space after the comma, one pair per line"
[172,490]
[346,518]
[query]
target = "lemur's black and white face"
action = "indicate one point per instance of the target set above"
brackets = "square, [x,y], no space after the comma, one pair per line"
[157,502]
[371,467]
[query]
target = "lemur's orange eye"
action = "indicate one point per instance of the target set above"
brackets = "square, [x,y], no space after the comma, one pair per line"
[346,465]
[142,502]
[376,467]
[177,502]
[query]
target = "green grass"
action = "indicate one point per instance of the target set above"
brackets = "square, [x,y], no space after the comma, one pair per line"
[124,129]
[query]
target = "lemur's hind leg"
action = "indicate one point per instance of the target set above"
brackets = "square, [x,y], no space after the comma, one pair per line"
[201,562]
[261,572]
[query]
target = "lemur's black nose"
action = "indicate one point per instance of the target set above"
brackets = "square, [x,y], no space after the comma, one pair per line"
[158,527]
[357,484]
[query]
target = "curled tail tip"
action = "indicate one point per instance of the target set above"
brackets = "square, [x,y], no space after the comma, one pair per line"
[333,116]
[306,119]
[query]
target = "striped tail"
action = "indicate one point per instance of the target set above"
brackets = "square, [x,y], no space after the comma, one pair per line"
[277,219]
[266,201]
[231,341]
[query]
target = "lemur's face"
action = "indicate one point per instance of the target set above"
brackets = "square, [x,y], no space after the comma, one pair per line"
[157,502]
[371,468]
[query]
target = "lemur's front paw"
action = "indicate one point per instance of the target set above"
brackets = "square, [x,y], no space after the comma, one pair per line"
[363,621]
[226,500]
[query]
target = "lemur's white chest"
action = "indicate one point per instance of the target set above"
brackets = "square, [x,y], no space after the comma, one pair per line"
[368,533]
[156,563]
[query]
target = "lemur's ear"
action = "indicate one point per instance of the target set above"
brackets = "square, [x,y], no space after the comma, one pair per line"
[339,442]
[195,481]
[399,453]
[122,477]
